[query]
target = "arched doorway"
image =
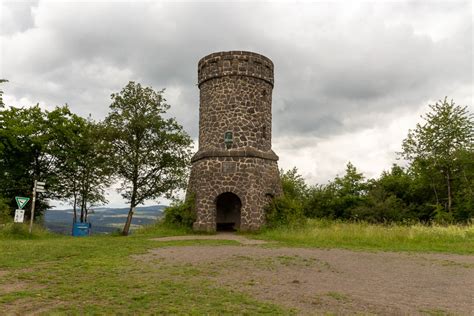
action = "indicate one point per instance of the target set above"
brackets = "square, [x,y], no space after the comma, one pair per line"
[228,207]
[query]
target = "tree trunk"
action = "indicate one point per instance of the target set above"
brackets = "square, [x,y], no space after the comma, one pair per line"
[133,198]
[74,220]
[82,210]
[435,192]
[126,228]
[448,180]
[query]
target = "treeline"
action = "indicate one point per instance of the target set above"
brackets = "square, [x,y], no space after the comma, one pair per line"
[436,184]
[78,158]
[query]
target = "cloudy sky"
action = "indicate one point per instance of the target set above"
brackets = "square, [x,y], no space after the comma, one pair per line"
[350,77]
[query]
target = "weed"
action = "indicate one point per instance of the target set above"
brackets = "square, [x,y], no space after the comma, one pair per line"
[338,296]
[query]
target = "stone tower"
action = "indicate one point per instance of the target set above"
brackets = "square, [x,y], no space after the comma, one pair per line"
[234,173]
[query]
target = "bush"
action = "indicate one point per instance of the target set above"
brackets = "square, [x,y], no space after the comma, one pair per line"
[441,216]
[5,212]
[284,211]
[181,213]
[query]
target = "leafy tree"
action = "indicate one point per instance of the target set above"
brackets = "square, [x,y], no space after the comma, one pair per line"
[352,183]
[151,153]
[1,94]
[433,149]
[293,184]
[24,138]
[321,201]
[56,146]
[82,169]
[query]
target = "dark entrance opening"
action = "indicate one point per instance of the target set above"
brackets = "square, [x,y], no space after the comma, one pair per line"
[228,212]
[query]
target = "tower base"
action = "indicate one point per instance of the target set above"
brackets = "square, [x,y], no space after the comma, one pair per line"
[231,193]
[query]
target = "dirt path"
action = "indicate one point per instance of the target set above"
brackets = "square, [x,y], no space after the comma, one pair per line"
[221,236]
[316,281]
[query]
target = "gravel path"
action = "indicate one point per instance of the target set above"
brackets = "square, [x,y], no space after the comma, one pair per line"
[316,281]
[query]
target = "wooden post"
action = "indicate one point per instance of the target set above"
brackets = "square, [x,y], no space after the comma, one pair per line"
[33,207]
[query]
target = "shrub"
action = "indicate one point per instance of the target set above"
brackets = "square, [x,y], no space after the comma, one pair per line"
[181,213]
[5,212]
[441,216]
[284,211]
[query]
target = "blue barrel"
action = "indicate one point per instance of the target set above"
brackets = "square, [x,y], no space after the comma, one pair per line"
[81,229]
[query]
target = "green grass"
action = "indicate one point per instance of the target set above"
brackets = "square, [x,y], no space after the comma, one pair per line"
[338,296]
[363,236]
[99,275]
[21,231]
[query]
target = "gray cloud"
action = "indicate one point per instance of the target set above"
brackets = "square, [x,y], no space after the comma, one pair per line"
[339,68]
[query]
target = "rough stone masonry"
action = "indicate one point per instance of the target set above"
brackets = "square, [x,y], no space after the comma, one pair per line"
[234,174]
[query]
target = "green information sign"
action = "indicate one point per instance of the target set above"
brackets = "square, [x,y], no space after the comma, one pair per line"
[21,201]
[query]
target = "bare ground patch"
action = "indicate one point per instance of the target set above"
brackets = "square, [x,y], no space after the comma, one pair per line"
[29,307]
[318,281]
[221,236]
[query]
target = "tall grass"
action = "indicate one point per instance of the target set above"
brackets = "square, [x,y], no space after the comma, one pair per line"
[21,231]
[360,235]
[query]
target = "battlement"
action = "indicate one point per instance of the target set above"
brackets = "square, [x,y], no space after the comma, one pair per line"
[235,63]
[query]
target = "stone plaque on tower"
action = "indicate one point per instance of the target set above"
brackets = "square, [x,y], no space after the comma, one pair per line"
[235,171]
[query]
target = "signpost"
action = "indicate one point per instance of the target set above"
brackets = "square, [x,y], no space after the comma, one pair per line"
[38,187]
[19,216]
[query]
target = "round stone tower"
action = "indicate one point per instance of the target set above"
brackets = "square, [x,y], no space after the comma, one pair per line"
[234,174]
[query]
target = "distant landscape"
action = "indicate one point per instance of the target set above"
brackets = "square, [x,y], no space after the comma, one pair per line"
[104,220]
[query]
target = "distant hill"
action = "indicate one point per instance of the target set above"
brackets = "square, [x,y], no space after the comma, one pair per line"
[103,219]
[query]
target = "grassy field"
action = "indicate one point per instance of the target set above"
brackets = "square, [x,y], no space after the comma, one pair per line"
[362,236]
[99,274]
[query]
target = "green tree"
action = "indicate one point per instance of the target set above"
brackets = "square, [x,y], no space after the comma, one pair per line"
[1,94]
[293,184]
[24,138]
[339,197]
[56,146]
[433,148]
[151,153]
[82,170]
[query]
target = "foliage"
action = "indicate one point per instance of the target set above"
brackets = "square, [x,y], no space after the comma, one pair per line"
[83,167]
[436,186]
[5,211]
[1,94]
[181,213]
[57,147]
[284,211]
[434,149]
[293,184]
[288,209]
[24,138]
[151,153]
[339,198]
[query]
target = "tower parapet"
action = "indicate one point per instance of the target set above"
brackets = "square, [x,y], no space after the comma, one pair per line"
[235,63]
